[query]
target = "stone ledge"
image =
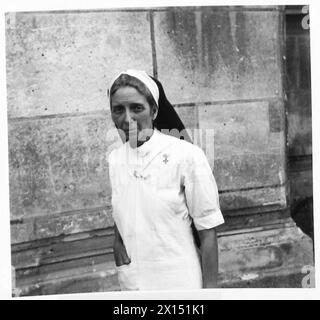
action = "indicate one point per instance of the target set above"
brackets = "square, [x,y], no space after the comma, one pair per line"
[248,258]
[251,258]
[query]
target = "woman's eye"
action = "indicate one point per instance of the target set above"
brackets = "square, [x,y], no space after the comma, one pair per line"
[138,108]
[117,110]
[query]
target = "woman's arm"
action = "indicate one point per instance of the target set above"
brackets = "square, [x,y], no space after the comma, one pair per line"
[120,253]
[209,257]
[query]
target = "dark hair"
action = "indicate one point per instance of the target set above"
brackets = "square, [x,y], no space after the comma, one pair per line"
[125,80]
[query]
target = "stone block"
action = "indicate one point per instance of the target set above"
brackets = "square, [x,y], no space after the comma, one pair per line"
[253,200]
[277,252]
[249,171]
[63,63]
[58,165]
[241,128]
[21,232]
[210,54]
[72,223]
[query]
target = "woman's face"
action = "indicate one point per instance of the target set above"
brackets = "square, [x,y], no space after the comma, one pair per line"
[132,115]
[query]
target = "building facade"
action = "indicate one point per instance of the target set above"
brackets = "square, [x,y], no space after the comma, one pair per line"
[243,72]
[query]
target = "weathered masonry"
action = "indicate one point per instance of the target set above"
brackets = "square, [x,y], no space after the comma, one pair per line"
[224,68]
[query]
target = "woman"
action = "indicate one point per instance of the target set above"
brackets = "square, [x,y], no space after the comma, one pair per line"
[160,186]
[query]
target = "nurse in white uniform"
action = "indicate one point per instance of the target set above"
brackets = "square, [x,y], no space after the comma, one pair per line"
[161,186]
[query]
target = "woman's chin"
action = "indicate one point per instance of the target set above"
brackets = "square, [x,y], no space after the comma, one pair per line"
[136,139]
[133,143]
[133,140]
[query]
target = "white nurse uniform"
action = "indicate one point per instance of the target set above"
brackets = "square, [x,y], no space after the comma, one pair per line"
[155,189]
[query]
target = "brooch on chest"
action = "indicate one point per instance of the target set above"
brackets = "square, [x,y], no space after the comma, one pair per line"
[165,158]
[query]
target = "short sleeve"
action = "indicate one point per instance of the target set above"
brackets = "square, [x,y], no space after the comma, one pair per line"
[201,191]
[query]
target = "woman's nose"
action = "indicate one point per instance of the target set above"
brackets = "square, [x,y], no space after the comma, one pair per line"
[129,116]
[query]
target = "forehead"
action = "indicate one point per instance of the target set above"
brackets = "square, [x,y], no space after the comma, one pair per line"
[127,95]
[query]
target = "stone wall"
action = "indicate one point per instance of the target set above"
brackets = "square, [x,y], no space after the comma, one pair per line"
[221,68]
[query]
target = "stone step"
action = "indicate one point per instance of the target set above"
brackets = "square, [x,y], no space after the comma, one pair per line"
[279,256]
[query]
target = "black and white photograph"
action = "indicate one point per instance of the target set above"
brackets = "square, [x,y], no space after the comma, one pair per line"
[159,149]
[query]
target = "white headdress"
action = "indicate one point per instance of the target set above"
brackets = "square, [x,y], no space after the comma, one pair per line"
[144,78]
